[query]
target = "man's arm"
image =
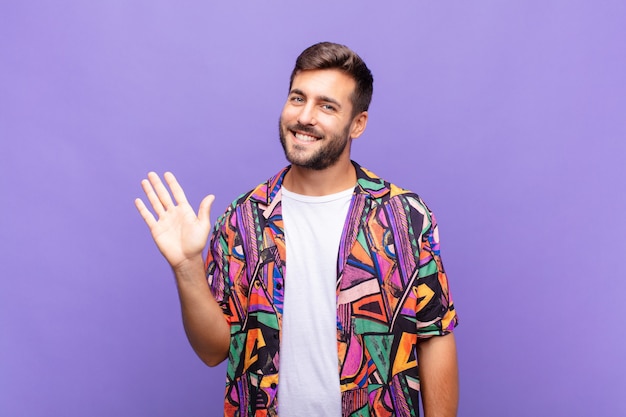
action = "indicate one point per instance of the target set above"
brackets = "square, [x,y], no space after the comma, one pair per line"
[181,237]
[438,372]
[205,325]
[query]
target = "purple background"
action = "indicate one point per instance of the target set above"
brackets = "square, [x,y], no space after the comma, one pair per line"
[509,118]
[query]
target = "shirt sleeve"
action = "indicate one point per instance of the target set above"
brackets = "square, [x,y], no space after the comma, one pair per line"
[435,312]
[216,266]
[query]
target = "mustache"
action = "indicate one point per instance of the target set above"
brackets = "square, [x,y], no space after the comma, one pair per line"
[305,129]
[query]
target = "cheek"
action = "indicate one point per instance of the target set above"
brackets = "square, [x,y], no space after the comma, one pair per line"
[288,113]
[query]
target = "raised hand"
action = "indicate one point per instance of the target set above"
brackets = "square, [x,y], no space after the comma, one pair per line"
[179,234]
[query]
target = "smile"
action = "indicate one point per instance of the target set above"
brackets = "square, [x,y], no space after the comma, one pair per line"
[303,137]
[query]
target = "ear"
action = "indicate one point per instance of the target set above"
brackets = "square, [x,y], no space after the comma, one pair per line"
[358,125]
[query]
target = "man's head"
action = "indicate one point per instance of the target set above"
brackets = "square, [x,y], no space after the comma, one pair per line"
[328,55]
[329,94]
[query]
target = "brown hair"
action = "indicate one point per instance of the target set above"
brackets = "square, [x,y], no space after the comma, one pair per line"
[328,55]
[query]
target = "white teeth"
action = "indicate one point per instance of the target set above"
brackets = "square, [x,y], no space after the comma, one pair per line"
[305,138]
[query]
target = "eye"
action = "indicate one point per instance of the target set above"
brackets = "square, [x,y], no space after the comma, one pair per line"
[328,107]
[296,99]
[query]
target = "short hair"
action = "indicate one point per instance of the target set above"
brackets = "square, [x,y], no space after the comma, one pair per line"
[328,55]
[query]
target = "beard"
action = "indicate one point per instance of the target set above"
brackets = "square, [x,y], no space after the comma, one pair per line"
[325,156]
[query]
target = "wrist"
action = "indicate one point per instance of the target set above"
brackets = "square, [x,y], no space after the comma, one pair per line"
[189,268]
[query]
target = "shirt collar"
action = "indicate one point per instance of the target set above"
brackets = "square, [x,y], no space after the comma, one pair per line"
[368,184]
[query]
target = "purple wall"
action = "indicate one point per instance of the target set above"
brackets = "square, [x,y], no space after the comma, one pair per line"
[509,118]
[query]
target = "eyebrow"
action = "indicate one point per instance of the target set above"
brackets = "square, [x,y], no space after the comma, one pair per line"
[319,98]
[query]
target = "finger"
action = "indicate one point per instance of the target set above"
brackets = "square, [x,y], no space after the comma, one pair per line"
[145,213]
[177,190]
[204,211]
[156,204]
[160,190]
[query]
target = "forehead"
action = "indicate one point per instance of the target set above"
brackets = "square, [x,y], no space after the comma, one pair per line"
[324,83]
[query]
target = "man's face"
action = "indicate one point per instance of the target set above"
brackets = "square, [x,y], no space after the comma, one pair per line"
[316,124]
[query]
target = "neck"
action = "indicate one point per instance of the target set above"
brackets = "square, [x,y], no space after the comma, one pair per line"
[334,179]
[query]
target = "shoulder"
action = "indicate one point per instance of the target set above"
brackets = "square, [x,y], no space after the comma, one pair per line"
[261,195]
[383,191]
[387,196]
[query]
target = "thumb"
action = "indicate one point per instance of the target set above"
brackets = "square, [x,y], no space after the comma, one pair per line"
[204,211]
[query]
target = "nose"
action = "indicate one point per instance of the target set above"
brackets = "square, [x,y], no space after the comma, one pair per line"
[307,115]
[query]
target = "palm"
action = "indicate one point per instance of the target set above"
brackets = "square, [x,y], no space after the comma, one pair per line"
[179,233]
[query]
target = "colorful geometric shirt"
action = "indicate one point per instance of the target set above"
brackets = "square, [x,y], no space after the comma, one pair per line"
[391,290]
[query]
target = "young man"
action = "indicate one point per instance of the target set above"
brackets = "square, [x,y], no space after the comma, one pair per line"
[360,318]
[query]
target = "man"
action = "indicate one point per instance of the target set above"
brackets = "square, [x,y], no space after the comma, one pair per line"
[359,320]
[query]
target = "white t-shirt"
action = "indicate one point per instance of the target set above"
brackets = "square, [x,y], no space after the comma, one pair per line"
[309,376]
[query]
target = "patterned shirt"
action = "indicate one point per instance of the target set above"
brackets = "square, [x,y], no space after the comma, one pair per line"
[391,290]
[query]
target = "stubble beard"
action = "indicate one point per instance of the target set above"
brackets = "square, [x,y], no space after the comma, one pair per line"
[325,156]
